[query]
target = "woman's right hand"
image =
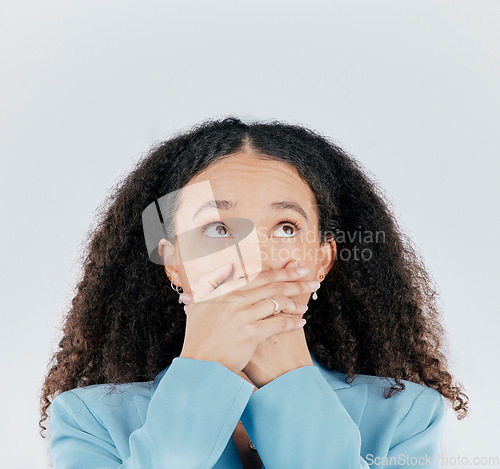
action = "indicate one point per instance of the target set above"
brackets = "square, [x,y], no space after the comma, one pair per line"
[228,329]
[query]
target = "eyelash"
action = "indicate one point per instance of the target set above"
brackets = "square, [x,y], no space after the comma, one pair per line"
[285,221]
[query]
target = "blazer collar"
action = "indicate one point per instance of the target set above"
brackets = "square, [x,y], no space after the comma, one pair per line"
[158,377]
[335,378]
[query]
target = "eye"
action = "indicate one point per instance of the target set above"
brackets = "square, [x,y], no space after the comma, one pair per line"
[216,230]
[289,229]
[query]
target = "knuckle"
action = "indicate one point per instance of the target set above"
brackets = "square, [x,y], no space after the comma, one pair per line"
[281,300]
[249,331]
[266,276]
[277,288]
[285,304]
[236,297]
[285,322]
[202,276]
[289,303]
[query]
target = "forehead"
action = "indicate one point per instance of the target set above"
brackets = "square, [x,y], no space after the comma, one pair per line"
[245,175]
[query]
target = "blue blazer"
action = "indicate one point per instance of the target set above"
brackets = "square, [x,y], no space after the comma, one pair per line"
[307,418]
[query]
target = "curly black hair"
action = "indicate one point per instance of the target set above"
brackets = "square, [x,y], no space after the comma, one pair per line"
[379,316]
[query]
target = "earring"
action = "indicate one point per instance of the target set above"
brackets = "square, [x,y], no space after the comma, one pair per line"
[176,288]
[315,295]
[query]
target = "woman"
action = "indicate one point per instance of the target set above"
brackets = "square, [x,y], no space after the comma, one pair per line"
[245,222]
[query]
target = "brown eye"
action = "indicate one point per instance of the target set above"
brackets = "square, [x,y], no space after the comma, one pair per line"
[216,230]
[289,230]
[221,230]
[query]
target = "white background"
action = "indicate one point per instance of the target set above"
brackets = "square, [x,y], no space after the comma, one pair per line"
[409,88]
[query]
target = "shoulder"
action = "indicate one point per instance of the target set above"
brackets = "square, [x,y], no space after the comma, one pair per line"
[99,402]
[376,386]
[364,399]
[109,394]
[417,402]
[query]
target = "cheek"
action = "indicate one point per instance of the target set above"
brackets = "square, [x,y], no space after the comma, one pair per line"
[307,252]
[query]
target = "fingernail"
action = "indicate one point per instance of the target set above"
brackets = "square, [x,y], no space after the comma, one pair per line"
[302,270]
[186,297]
[314,284]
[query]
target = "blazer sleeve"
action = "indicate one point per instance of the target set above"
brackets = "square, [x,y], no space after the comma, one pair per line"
[190,419]
[297,421]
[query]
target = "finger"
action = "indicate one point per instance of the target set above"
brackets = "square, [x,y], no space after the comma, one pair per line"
[288,273]
[277,324]
[289,289]
[237,284]
[208,281]
[186,297]
[265,308]
[223,289]
[242,285]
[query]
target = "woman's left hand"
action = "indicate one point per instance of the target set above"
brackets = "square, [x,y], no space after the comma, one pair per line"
[278,354]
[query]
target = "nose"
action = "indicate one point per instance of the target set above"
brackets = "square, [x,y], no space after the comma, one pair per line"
[274,254]
[259,252]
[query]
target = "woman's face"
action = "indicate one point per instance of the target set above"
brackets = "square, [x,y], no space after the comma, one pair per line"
[253,213]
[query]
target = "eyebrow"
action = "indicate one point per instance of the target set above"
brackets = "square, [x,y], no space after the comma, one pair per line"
[228,204]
